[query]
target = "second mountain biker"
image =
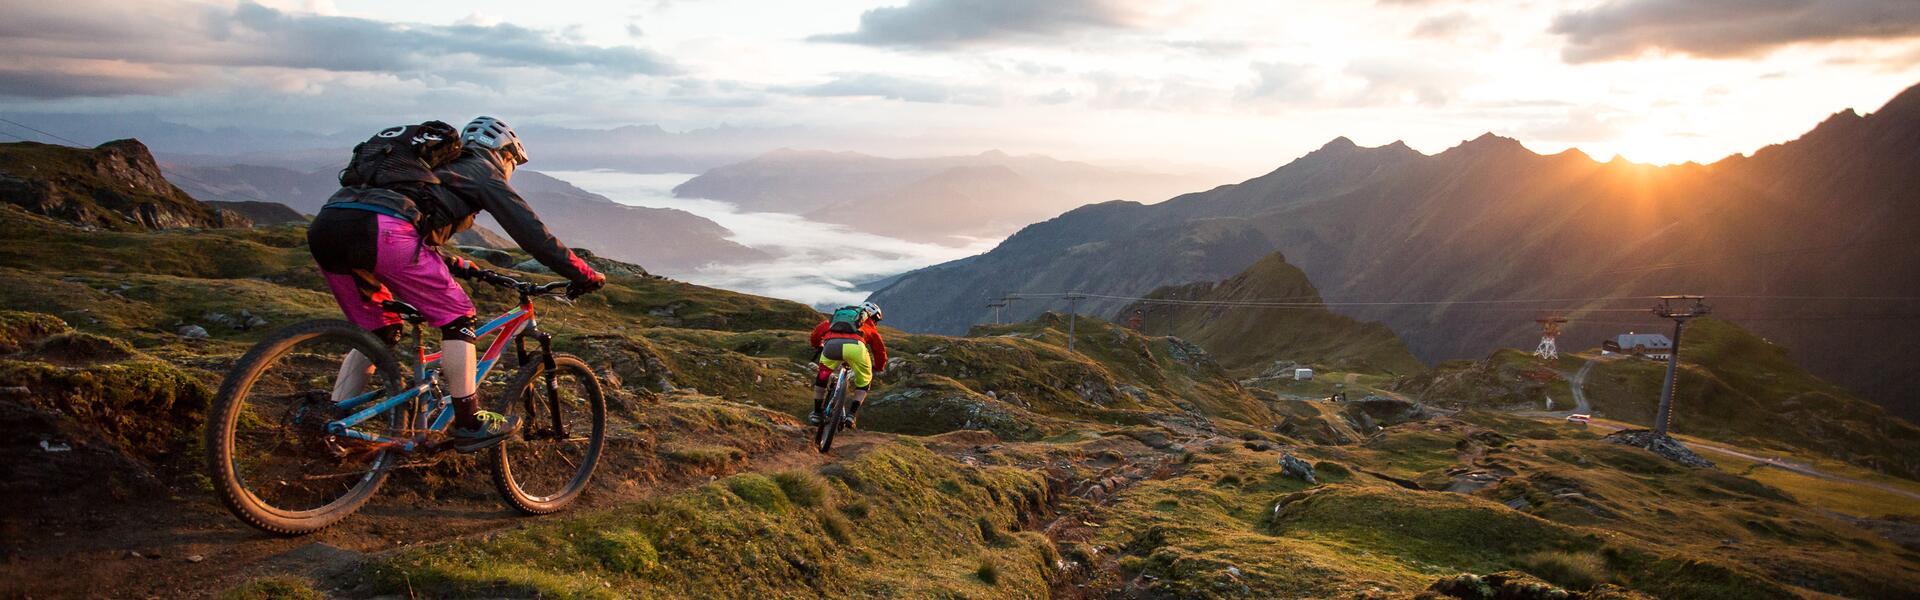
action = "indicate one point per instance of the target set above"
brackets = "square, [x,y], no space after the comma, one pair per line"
[849,336]
[406,191]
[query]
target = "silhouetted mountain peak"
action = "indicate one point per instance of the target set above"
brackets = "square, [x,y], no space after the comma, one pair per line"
[1339,143]
[1488,143]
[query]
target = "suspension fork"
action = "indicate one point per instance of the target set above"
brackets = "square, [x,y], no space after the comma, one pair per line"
[548,367]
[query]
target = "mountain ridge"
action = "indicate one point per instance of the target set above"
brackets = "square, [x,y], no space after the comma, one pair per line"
[1489,220]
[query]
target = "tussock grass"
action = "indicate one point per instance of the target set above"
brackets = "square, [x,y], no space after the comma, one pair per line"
[802,488]
[988,572]
[705,455]
[1571,570]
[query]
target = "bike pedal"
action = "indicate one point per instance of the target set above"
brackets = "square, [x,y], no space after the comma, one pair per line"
[476,446]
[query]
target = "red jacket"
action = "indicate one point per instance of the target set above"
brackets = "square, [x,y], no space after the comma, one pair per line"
[868,333]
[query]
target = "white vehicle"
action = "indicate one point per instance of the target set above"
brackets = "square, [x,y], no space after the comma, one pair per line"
[1579,418]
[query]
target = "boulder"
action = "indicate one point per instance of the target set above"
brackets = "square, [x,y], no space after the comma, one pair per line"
[1291,466]
[1665,446]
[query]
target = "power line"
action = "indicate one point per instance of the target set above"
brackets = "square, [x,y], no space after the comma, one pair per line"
[176,174]
[41,132]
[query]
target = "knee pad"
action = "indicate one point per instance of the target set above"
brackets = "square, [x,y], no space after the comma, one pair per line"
[389,334]
[459,329]
[820,381]
[863,388]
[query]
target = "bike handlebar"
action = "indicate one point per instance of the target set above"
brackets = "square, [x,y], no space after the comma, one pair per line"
[529,289]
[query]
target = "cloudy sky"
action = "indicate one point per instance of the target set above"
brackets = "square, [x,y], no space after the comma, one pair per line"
[1237,85]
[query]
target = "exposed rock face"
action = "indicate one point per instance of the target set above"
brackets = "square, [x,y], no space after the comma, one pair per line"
[116,185]
[1297,469]
[1386,411]
[1665,446]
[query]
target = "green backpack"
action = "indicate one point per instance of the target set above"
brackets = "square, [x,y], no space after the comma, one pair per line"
[845,320]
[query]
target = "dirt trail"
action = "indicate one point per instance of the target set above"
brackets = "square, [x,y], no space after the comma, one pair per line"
[189,546]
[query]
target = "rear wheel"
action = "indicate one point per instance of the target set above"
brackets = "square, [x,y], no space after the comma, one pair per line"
[545,465]
[836,409]
[272,461]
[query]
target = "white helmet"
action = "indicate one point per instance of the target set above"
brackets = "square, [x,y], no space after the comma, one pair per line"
[872,310]
[492,134]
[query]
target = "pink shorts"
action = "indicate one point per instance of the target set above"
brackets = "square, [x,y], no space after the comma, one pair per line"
[404,269]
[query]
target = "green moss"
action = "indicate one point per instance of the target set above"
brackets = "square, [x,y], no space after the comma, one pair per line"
[624,551]
[759,490]
[146,407]
[278,587]
[19,329]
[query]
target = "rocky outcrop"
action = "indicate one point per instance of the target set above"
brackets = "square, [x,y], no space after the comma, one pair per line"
[1665,446]
[115,185]
[1514,585]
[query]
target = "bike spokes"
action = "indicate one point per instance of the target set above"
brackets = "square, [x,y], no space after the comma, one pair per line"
[282,452]
[547,463]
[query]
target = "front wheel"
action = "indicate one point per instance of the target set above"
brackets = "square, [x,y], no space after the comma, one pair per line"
[545,465]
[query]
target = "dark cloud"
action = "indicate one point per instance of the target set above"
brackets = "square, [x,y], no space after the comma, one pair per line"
[879,85]
[937,24]
[1727,28]
[54,84]
[109,48]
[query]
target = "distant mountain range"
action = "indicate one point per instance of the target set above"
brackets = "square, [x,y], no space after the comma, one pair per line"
[940,199]
[662,239]
[1440,247]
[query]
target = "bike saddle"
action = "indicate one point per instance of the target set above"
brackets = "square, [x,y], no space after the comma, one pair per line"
[406,311]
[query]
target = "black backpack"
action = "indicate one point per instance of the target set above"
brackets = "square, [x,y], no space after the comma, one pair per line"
[402,156]
[393,172]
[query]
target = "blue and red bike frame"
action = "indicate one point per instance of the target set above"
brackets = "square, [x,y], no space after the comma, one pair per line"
[509,326]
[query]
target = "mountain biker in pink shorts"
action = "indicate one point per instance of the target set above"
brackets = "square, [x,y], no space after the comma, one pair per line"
[406,191]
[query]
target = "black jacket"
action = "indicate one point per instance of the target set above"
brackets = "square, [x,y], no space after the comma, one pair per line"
[473,183]
[466,186]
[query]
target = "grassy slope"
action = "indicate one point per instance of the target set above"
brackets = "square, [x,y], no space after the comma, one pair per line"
[1734,387]
[1634,519]
[900,520]
[1737,387]
[1249,339]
